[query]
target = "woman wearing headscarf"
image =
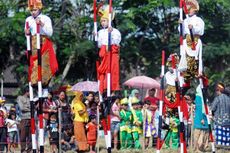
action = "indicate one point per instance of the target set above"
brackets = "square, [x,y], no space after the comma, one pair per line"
[79,111]
[133,97]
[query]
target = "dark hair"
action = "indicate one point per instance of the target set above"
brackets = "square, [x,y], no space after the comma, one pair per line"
[91,93]
[25,89]
[91,117]
[147,102]
[10,115]
[153,89]
[51,93]
[53,115]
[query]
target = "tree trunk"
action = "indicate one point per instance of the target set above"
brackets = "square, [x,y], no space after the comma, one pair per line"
[67,67]
[12,51]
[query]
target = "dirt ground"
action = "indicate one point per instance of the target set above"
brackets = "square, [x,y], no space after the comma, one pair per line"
[102,149]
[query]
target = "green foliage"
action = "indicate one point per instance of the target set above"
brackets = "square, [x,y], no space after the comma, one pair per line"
[147,27]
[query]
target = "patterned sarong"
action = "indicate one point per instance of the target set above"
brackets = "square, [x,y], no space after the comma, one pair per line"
[222,136]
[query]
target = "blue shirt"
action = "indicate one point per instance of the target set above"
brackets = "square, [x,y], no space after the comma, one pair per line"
[199,115]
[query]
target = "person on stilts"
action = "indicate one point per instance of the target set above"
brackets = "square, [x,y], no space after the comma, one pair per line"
[108,70]
[42,60]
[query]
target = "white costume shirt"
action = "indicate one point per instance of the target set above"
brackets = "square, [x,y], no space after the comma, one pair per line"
[196,22]
[47,29]
[171,77]
[103,37]
[198,29]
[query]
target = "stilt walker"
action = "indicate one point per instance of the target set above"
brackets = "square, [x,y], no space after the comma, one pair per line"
[108,42]
[191,51]
[43,62]
[161,102]
[32,120]
[191,28]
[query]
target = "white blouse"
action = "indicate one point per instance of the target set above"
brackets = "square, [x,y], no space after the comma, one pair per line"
[47,29]
[103,37]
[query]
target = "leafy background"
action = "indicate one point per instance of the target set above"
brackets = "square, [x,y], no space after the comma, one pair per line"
[147,27]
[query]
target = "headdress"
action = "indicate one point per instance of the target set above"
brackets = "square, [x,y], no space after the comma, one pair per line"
[124,101]
[192,4]
[32,4]
[104,12]
[169,60]
[135,100]
[2,100]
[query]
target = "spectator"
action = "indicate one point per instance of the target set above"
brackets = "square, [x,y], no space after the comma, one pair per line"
[221,110]
[24,126]
[153,106]
[49,108]
[89,100]
[65,109]
[91,128]
[53,132]
[188,127]
[173,131]
[79,111]
[149,126]
[200,124]
[115,121]
[125,125]
[136,123]
[67,139]
[133,96]
[153,100]
[93,109]
[3,129]
[12,131]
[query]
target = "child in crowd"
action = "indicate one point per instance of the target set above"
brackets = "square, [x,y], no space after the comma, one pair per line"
[125,125]
[67,139]
[173,130]
[91,128]
[53,132]
[136,122]
[12,131]
[149,127]
[93,109]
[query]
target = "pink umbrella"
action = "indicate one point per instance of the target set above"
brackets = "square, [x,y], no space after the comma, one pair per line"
[85,86]
[142,82]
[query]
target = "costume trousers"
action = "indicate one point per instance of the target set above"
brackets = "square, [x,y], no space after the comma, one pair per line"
[137,144]
[126,140]
[175,140]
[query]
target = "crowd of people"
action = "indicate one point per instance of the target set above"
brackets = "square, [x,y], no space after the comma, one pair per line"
[131,119]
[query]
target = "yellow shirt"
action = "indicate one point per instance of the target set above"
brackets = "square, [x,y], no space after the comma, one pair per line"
[76,107]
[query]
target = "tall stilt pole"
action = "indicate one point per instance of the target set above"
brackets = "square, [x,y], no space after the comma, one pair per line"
[41,130]
[32,120]
[109,78]
[2,85]
[179,96]
[207,115]
[161,102]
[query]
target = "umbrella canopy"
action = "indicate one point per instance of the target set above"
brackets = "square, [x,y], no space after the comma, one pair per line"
[85,86]
[142,82]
